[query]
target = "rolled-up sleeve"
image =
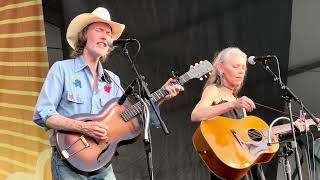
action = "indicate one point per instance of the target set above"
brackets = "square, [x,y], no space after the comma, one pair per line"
[49,96]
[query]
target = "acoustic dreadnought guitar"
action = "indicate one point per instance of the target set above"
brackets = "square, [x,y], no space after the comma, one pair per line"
[229,147]
[87,155]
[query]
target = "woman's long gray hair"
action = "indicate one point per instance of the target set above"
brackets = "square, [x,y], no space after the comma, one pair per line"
[216,76]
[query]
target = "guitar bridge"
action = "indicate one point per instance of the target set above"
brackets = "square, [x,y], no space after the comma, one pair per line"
[240,141]
[84,141]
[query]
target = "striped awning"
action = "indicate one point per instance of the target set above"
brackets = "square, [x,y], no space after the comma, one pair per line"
[23,67]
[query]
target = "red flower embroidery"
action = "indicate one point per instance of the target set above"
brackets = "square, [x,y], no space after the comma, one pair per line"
[107,88]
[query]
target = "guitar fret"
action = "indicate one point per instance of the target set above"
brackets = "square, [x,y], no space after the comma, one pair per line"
[130,113]
[135,110]
[139,108]
[186,76]
[127,115]
[134,113]
[182,79]
[161,93]
[157,96]
[123,115]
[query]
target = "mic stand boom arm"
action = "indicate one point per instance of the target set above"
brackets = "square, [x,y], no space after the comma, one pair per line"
[289,93]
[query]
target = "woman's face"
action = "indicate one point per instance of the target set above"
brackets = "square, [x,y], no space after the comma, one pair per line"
[233,69]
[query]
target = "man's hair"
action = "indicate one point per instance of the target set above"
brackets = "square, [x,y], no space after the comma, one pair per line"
[80,43]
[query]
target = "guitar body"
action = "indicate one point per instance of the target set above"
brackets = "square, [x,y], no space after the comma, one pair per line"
[87,155]
[229,147]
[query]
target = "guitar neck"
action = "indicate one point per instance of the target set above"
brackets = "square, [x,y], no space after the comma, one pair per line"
[287,127]
[136,109]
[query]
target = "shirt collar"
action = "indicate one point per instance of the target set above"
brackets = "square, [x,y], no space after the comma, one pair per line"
[80,64]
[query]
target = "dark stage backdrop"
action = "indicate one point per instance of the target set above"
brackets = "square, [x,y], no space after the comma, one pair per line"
[174,35]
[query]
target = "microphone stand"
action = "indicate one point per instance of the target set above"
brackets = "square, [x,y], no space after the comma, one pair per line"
[145,94]
[288,96]
[286,151]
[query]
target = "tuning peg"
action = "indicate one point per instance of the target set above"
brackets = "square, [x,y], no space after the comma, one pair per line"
[191,66]
[210,73]
[201,79]
[196,64]
[205,76]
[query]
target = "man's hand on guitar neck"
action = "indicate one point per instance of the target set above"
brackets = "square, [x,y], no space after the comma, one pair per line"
[173,89]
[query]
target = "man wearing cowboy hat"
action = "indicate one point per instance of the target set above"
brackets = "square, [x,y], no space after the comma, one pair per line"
[80,85]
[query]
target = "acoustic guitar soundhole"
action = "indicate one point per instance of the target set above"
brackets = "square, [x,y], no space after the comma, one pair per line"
[255,135]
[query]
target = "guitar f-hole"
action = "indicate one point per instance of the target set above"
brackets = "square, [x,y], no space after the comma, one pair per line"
[102,152]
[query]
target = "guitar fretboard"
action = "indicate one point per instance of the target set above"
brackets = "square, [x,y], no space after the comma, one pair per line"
[137,108]
[285,128]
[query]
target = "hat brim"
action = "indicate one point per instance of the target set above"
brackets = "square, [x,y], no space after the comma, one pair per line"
[83,20]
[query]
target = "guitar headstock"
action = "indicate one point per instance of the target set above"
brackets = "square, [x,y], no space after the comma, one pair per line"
[200,69]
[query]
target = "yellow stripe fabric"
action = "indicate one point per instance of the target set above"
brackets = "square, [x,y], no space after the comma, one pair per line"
[20,20]
[17,106]
[5,173]
[17,121]
[22,78]
[29,64]
[23,65]
[17,163]
[18,92]
[20,5]
[23,34]
[24,136]
[19,149]
[23,49]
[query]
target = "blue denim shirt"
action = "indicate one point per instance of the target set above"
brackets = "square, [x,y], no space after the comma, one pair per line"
[67,90]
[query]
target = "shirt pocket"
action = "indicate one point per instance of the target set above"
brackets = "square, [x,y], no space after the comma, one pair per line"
[105,99]
[73,97]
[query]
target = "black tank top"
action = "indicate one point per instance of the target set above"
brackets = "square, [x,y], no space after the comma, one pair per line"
[234,113]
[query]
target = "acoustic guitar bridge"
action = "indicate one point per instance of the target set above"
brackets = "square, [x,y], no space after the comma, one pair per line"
[240,141]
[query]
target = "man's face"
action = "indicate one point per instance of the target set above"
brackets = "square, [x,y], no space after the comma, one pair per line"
[98,35]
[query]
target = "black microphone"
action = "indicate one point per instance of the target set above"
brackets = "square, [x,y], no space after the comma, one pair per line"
[127,92]
[253,59]
[120,42]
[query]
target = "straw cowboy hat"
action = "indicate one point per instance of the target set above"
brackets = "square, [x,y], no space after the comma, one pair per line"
[100,14]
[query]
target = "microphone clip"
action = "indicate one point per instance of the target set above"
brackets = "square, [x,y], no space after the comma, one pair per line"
[127,92]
